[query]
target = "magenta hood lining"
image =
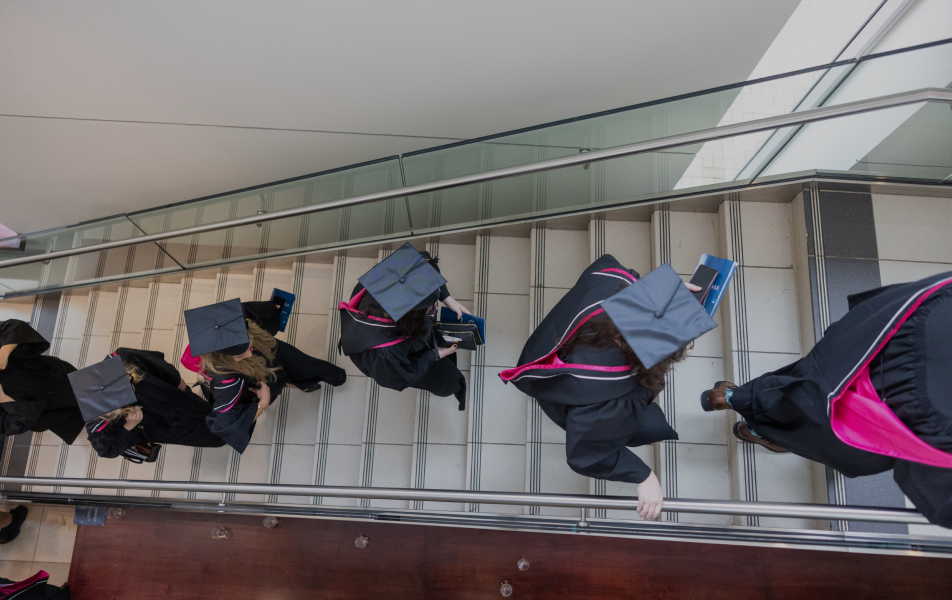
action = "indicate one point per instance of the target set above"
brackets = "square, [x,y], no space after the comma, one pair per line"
[860,418]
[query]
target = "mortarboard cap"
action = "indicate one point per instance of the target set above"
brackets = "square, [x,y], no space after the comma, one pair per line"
[102,387]
[217,328]
[403,281]
[658,315]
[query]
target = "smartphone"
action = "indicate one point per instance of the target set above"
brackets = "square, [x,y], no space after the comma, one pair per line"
[703,277]
[452,339]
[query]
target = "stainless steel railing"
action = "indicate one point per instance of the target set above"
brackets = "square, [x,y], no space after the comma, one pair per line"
[704,135]
[720,507]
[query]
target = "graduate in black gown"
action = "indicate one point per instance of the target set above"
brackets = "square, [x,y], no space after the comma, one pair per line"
[387,328]
[247,368]
[587,377]
[34,391]
[165,410]
[874,394]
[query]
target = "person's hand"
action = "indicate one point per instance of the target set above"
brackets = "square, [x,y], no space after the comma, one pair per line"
[456,307]
[4,397]
[264,398]
[692,287]
[650,498]
[133,419]
[5,352]
[181,384]
[444,352]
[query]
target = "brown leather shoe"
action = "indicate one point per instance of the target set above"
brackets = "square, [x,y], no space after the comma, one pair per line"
[742,433]
[716,398]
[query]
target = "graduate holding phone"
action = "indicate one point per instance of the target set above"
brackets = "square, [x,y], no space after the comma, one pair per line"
[387,326]
[597,362]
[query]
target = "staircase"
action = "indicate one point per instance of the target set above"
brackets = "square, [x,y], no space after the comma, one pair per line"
[362,435]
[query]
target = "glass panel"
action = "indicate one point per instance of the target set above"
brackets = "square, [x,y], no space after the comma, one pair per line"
[616,129]
[312,190]
[583,187]
[905,142]
[361,223]
[896,73]
[95,267]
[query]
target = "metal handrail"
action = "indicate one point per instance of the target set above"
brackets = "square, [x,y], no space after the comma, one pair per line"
[717,507]
[683,139]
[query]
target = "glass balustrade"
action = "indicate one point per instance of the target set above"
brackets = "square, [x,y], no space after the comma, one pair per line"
[905,143]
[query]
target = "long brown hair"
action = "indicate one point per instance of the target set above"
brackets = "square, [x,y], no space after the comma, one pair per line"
[412,325]
[600,332]
[134,377]
[254,367]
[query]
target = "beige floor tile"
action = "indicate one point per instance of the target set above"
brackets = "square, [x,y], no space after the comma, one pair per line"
[508,266]
[316,288]
[347,411]
[900,219]
[692,234]
[566,256]
[445,423]
[57,535]
[630,243]
[391,468]
[24,546]
[458,265]
[507,328]
[504,412]
[16,570]
[343,469]
[396,412]
[557,478]
[894,271]
[766,231]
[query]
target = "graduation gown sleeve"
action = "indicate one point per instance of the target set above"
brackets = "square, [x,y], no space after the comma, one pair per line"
[596,435]
[109,440]
[265,313]
[929,488]
[19,417]
[234,407]
[29,342]
[152,363]
[397,367]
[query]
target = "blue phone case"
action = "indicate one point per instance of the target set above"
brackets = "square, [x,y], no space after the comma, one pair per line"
[286,309]
[725,271]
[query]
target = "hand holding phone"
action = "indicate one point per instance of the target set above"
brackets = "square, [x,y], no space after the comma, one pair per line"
[703,277]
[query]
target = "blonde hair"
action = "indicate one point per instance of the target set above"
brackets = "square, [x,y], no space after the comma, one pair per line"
[254,367]
[135,377]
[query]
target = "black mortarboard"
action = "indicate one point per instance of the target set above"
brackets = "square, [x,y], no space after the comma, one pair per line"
[217,328]
[403,281]
[657,315]
[102,387]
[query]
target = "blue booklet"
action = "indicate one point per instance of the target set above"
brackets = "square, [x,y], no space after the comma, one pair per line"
[286,309]
[448,316]
[725,271]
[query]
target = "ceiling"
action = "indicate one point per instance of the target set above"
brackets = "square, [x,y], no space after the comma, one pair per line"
[112,106]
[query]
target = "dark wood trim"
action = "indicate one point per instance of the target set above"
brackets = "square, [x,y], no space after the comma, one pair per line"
[152,554]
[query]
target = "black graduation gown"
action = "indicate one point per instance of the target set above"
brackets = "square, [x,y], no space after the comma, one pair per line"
[38,384]
[590,392]
[169,415]
[265,314]
[234,404]
[791,406]
[397,363]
